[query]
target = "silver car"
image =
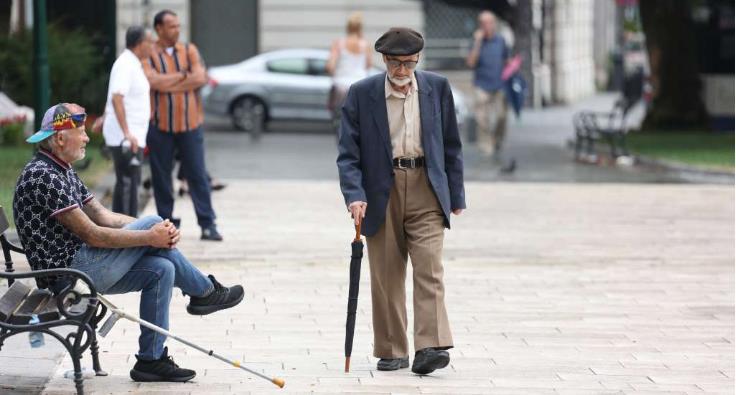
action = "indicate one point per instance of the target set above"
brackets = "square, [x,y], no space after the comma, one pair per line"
[290,84]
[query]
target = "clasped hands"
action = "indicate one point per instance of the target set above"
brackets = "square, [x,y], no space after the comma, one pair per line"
[164,235]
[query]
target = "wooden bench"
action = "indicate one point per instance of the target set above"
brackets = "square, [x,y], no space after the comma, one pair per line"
[69,308]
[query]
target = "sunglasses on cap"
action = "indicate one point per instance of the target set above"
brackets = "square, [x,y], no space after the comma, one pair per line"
[70,121]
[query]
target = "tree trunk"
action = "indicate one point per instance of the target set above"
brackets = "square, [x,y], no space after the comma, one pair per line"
[676,102]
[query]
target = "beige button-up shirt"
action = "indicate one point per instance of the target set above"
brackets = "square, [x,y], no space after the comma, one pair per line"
[404,122]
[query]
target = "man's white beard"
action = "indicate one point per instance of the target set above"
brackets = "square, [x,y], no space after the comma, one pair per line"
[400,81]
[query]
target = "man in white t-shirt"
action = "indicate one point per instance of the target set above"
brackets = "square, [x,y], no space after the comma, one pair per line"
[127,113]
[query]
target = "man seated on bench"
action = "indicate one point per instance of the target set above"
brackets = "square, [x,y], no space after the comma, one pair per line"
[61,224]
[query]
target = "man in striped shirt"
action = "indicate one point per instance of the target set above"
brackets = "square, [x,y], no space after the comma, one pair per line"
[176,72]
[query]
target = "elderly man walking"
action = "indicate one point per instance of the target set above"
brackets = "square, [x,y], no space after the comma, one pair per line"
[61,224]
[126,122]
[488,57]
[176,72]
[401,174]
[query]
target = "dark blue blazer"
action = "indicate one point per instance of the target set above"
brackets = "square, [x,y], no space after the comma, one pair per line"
[365,154]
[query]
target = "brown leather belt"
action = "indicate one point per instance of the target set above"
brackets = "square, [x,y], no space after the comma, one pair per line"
[408,163]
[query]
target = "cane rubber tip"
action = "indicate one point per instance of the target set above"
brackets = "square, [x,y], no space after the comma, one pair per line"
[278,381]
[347,364]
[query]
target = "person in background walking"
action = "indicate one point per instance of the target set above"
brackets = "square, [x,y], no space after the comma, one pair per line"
[176,73]
[127,114]
[350,60]
[488,57]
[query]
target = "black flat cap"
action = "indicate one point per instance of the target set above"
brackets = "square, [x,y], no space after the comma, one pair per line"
[400,41]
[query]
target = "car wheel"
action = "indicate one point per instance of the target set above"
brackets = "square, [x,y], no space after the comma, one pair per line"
[249,115]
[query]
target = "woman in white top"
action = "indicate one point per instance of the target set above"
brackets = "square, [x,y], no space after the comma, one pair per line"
[350,60]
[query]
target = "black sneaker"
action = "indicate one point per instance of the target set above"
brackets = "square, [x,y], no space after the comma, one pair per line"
[211,233]
[220,298]
[427,360]
[162,369]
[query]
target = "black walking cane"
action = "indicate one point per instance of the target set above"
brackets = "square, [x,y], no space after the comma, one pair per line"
[355,259]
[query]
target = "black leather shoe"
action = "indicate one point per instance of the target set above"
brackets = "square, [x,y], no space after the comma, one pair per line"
[219,299]
[211,233]
[386,364]
[427,360]
[162,369]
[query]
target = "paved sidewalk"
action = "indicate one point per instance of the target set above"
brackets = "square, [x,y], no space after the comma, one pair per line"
[552,289]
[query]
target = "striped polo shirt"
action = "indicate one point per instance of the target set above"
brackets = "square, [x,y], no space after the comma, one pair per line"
[178,111]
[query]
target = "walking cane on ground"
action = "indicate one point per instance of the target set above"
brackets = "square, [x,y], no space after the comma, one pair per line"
[356,256]
[117,314]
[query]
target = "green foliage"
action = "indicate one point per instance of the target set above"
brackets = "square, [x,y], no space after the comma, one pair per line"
[75,66]
[12,134]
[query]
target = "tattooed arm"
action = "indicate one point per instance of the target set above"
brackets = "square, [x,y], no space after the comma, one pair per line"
[161,235]
[101,216]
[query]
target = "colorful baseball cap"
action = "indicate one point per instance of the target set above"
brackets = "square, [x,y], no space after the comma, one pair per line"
[59,117]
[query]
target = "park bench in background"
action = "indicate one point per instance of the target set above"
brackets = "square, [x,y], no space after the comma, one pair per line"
[610,127]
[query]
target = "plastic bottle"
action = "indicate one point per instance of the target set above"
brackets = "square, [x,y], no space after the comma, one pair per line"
[35,338]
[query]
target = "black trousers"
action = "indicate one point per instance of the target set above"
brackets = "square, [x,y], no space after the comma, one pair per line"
[127,181]
[190,145]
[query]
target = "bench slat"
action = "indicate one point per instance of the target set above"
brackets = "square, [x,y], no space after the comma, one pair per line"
[49,311]
[34,303]
[12,299]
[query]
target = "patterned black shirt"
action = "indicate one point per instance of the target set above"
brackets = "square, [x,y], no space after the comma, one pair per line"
[47,187]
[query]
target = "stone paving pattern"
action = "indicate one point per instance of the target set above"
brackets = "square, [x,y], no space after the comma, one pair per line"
[551,289]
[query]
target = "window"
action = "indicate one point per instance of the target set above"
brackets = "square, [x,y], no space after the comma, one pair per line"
[318,66]
[288,66]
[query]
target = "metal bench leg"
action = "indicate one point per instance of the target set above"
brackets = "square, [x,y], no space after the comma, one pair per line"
[3,332]
[578,145]
[590,146]
[94,346]
[622,144]
[612,143]
[78,378]
[96,358]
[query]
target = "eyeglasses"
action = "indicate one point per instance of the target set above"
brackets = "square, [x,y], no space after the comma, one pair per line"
[395,64]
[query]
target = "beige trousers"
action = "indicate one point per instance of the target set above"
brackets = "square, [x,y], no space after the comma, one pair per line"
[414,225]
[490,119]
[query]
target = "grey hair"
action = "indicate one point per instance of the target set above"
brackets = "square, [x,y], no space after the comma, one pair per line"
[48,143]
[45,144]
[134,36]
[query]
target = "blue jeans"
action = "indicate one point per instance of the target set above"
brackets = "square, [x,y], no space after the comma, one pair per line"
[154,271]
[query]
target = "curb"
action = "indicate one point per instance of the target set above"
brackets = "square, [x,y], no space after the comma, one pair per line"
[688,172]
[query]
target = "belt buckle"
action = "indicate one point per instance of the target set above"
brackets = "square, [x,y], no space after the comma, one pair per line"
[399,165]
